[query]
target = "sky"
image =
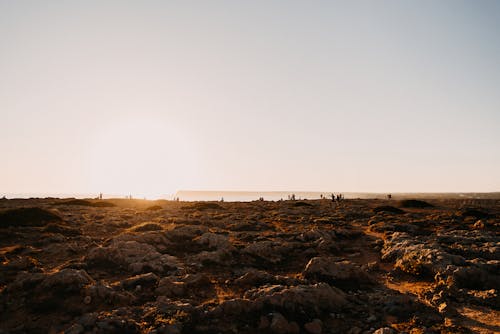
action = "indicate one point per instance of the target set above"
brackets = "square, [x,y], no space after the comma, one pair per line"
[149,97]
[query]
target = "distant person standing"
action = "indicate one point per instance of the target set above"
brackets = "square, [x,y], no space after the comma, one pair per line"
[389,196]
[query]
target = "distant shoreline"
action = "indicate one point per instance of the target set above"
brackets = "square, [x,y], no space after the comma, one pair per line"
[244,196]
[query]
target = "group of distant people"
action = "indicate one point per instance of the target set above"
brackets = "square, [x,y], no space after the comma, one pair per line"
[334,197]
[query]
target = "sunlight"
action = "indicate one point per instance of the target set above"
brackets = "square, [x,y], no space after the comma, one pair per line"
[143,158]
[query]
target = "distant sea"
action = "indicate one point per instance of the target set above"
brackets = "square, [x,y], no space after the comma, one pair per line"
[245,196]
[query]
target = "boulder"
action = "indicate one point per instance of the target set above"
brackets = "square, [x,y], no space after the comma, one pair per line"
[133,256]
[269,251]
[339,273]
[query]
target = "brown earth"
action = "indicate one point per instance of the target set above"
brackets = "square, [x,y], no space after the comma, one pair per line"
[358,266]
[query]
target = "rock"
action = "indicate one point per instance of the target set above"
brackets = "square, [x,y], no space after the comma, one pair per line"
[314,327]
[444,308]
[170,329]
[168,287]
[479,224]
[264,322]
[413,203]
[21,263]
[183,233]
[88,320]
[22,217]
[220,257]
[214,241]
[146,226]
[269,251]
[385,330]
[254,278]
[75,329]
[312,299]
[236,306]
[476,276]
[371,318]
[279,324]
[293,328]
[197,281]
[67,280]
[133,256]
[57,291]
[418,257]
[148,279]
[387,209]
[339,273]
[354,330]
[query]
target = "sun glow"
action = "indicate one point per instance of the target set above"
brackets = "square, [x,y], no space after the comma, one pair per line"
[143,158]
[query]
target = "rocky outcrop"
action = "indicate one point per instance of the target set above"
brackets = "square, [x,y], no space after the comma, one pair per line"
[132,256]
[341,273]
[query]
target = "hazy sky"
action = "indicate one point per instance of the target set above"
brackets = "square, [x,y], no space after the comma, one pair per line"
[147,97]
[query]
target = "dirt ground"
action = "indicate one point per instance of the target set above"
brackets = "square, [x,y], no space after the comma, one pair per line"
[311,266]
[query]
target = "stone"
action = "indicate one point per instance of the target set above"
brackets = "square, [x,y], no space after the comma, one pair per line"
[169,287]
[254,278]
[312,299]
[214,240]
[354,330]
[264,322]
[279,324]
[75,329]
[147,279]
[134,256]
[339,273]
[269,251]
[384,330]
[314,327]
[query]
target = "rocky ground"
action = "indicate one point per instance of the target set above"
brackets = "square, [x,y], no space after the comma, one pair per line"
[359,266]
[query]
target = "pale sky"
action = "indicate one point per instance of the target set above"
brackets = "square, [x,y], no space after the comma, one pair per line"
[148,97]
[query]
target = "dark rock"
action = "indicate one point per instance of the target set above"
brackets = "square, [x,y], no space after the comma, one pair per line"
[388,209]
[148,279]
[27,217]
[414,203]
[344,274]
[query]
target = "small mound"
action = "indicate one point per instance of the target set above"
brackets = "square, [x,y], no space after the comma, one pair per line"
[154,208]
[146,227]
[203,206]
[387,209]
[478,214]
[414,203]
[299,204]
[27,217]
[82,202]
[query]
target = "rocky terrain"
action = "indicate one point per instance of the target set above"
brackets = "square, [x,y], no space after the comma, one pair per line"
[358,266]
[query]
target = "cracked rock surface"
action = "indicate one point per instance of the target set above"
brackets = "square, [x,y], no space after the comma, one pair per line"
[358,266]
